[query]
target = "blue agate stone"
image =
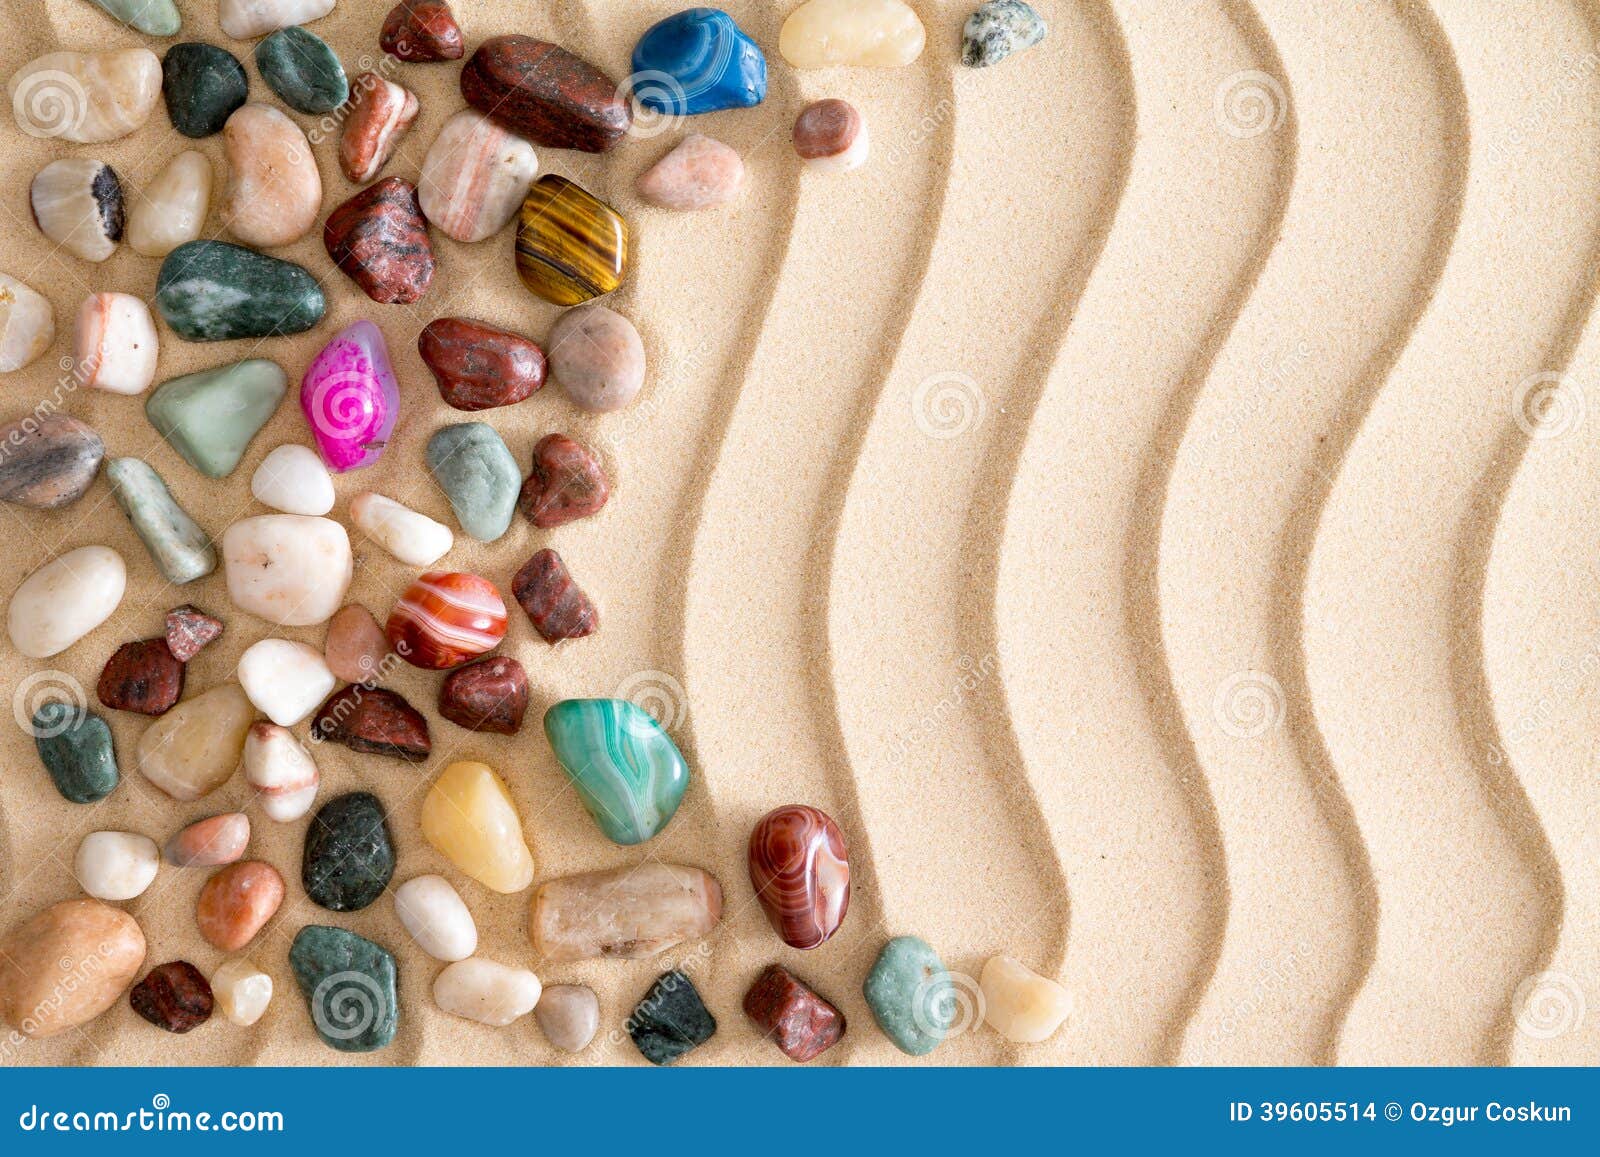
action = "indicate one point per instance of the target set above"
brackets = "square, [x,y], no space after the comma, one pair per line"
[698,61]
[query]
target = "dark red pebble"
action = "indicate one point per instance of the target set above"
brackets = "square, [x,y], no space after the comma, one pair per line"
[489,695]
[545,94]
[799,1021]
[173,996]
[143,677]
[479,367]
[558,607]
[189,629]
[380,239]
[373,721]
[567,483]
[418,31]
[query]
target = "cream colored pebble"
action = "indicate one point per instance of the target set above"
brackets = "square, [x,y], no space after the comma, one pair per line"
[116,344]
[116,865]
[172,209]
[1019,1004]
[241,990]
[485,991]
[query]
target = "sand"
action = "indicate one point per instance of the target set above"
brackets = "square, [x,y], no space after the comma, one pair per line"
[1151,507]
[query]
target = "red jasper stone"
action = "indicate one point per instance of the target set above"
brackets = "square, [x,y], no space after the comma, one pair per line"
[143,677]
[189,629]
[479,367]
[446,618]
[380,239]
[421,30]
[373,721]
[545,94]
[489,695]
[557,605]
[799,1021]
[175,996]
[567,483]
[801,873]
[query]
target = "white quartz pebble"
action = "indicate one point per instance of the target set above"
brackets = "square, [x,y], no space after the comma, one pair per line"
[432,911]
[487,992]
[116,344]
[83,97]
[414,539]
[285,680]
[287,568]
[244,19]
[242,991]
[173,208]
[1019,1004]
[116,865]
[27,324]
[281,771]
[294,480]
[65,599]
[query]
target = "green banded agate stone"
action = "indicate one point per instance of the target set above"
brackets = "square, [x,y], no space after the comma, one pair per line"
[628,772]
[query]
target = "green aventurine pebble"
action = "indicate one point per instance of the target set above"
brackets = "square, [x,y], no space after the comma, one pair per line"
[349,983]
[216,291]
[181,549]
[479,475]
[152,17]
[210,417]
[628,772]
[75,745]
[911,995]
[301,68]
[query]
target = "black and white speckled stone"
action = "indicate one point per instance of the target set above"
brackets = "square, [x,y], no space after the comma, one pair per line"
[997,30]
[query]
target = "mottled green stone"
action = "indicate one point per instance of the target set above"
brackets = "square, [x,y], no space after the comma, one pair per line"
[628,772]
[479,475]
[350,984]
[670,1020]
[349,859]
[218,291]
[75,746]
[180,548]
[202,85]
[152,17]
[911,995]
[210,416]
[304,72]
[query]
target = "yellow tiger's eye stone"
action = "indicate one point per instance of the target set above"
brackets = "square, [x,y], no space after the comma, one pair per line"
[571,246]
[470,817]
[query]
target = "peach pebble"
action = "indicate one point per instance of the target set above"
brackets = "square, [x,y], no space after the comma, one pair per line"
[237,902]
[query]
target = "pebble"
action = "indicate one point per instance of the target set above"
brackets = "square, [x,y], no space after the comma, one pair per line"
[911,995]
[474,177]
[597,356]
[486,991]
[791,1015]
[445,618]
[418,31]
[280,771]
[830,136]
[479,476]
[242,991]
[287,568]
[65,599]
[211,842]
[631,913]
[432,911]
[116,344]
[413,538]
[174,996]
[671,1020]
[247,19]
[181,549]
[116,865]
[193,749]
[571,246]
[349,858]
[46,462]
[374,721]
[142,677]
[66,966]
[77,203]
[545,94]
[85,97]
[237,902]
[349,985]
[380,113]
[190,630]
[214,291]
[800,873]
[863,33]
[470,817]
[628,772]
[997,30]
[380,239]
[274,190]
[75,747]
[293,479]
[489,695]
[302,70]
[203,85]
[286,680]
[568,1015]
[1018,1003]
[479,367]
[567,483]
[152,17]
[700,173]
[356,648]
[210,417]
[27,326]
[172,209]
[697,61]
[555,604]
[350,398]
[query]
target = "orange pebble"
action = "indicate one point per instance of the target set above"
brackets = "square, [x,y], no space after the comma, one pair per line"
[237,902]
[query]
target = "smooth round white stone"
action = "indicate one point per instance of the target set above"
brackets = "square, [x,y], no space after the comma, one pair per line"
[287,568]
[414,539]
[432,911]
[242,991]
[294,480]
[281,771]
[116,344]
[65,599]
[116,865]
[285,680]
[1019,1004]
[487,992]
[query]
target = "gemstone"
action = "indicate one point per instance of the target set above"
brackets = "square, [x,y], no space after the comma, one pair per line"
[545,94]
[143,677]
[65,599]
[214,291]
[242,991]
[418,31]
[800,873]
[489,695]
[479,476]
[479,367]
[181,549]
[697,61]
[567,483]
[631,912]
[303,71]
[557,607]
[998,29]
[911,995]
[413,538]
[349,858]
[285,679]
[75,747]
[445,618]
[287,568]
[470,817]
[193,749]
[628,772]
[77,203]
[671,1020]
[280,771]
[791,1015]
[246,19]
[474,177]
[211,842]
[116,865]
[210,417]
[115,346]
[274,189]
[1019,1004]
[66,966]
[174,996]
[597,356]
[350,397]
[571,246]
[380,113]
[432,911]
[152,17]
[831,137]
[50,460]
[380,239]
[294,480]
[700,173]
[864,33]
[568,1015]
[373,721]
[189,630]
[356,649]
[27,326]
[349,984]
[202,84]
[486,991]
[237,902]
[171,209]
[85,97]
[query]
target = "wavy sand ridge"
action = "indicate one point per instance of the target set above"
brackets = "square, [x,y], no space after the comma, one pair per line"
[1392,604]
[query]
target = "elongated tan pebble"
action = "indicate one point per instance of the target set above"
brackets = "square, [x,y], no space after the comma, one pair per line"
[65,599]
[85,97]
[486,991]
[172,208]
[274,189]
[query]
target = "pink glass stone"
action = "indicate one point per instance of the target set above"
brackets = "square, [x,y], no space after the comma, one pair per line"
[350,398]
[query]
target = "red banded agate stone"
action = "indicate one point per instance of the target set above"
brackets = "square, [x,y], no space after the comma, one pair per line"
[801,873]
[446,618]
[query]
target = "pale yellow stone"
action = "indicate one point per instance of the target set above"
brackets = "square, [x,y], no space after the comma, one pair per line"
[172,209]
[85,97]
[470,817]
[27,324]
[194,748]
[865,33]
[274,189]
[242,991]
[1019,1004]
[486,991]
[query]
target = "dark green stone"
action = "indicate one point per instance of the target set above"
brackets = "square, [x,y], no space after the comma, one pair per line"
[215,291]
[202,84]
[350,985]
[304,72]
[75,745]
[349,859]
[671,1020]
